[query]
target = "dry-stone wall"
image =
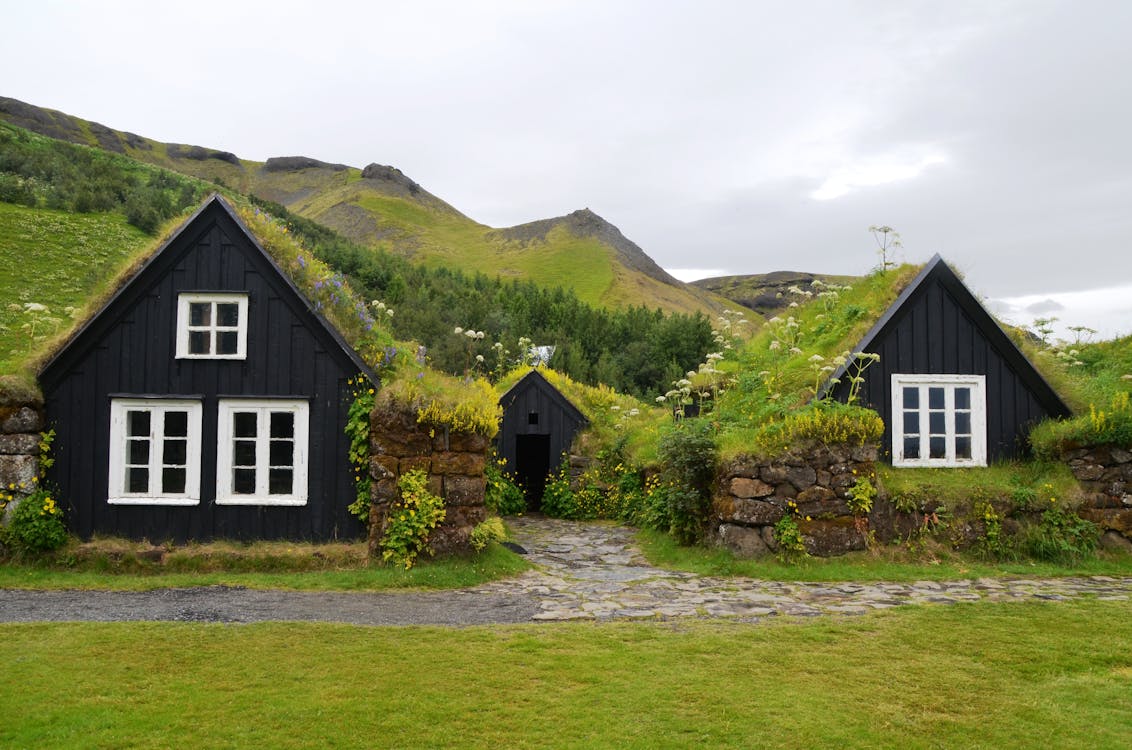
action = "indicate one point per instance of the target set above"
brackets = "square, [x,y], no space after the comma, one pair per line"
[754,494]
[20,425]
[1105,474]
[454,462]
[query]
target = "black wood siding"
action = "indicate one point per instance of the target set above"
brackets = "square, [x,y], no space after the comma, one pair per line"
[940,328]
[128,350]
[558,418]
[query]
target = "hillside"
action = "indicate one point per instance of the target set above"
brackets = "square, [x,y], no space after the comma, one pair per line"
[766,293]
[380,206]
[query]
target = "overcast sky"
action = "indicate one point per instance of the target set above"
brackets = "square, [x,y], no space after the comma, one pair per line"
[735,137]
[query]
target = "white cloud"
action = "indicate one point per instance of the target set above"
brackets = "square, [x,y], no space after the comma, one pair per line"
[693,274]
[1108,311]
[869,173]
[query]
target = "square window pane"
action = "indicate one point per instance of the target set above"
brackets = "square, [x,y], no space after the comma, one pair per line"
[137,480]
[279,481]
[282,424]
[176,453]
[282,453]
[962,423]
[137,423]
[963,447]
[935,398]
[173,480]
[937,447]
[176,424]
[243,481]
[937,424]
[962,398]
[200,313]
[911,423]
[911,447]
[227,314]
[137,452]
[244,424]
[199,342]
[911,398]
[243,453]
[226,342]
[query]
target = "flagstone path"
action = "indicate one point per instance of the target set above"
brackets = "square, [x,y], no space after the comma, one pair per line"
[586,571]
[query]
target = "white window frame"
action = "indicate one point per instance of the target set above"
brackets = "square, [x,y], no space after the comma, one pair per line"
[977,384]
[118,493]
[186,299]
[225,452]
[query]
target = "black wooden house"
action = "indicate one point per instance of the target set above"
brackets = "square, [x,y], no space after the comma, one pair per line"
[951,386]
[207,399]
[538,427]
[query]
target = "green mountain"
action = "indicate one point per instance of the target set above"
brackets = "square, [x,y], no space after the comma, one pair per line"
[379,206]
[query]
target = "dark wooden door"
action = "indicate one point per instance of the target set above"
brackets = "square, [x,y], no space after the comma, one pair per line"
[532,464]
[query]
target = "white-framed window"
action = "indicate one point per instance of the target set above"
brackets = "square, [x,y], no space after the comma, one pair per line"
[154,451]
[212,326]
[262,452]
[939,420]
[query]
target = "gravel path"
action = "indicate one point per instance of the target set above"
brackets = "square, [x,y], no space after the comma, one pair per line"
[585,572]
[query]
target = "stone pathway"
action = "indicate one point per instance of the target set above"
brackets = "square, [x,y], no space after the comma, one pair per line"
[593,571]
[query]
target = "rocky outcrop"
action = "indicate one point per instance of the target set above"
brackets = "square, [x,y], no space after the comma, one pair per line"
[295,163]
[391,175]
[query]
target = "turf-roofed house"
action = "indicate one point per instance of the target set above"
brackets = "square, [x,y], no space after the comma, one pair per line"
[537,429]
[206,399]
[951,386]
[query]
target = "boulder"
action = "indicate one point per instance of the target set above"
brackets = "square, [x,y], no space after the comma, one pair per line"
[743,487]
[745,542]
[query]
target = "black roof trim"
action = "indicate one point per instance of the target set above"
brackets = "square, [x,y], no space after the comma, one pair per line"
[536,379]
[937,268]
[213,202]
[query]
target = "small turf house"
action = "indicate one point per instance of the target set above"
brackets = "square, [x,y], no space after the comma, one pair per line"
[206,399]
[951,386]
[538,427]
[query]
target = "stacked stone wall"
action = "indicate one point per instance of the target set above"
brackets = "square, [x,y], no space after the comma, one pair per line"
[454,462]
[752,495]
[20,426]
[1105,475]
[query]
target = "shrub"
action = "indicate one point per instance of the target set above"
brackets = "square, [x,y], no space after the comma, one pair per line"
[1061,536]
[37,524]
[411,519]
[1111,426]
[688,455]
[491,530]
[501,495]
[558,499]
[861,496]
[788,536]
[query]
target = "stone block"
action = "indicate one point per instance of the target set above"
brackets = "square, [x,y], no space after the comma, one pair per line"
[773,474]
[743,541]
[463,490]
[468,442]
[830,537]
[401,444]
[741,467]
[1087,472]
[414,463]
[465,515]
[1114,541]
[743,487]
[384,489]
[785,491]
[842,481]
[821,501]
[383,467]
[19,444]
[768,538]
[23,419]
[750,512]
[18,470]
[865,454]
[449,540]
[1116,520]
[801,476]
[450,462]
[1121,456]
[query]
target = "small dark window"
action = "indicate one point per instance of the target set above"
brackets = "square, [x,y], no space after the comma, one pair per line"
[532,417]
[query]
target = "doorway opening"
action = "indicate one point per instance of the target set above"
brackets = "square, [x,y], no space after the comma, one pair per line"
[532,464]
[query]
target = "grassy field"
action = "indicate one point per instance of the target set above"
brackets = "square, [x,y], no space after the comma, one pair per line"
[980,675]
[264,565]
[57,259]
[931,561]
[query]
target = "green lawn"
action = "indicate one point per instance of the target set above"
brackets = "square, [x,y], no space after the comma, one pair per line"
[887,563]
[59,260]
[980,675]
